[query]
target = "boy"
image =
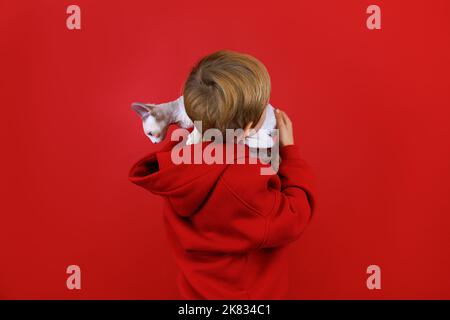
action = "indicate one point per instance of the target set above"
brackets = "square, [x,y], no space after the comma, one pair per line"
[227,224]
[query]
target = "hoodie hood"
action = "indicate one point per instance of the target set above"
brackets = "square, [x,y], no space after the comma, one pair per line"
[187,186]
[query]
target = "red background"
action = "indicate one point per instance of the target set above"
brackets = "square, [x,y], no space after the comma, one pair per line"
[370,109]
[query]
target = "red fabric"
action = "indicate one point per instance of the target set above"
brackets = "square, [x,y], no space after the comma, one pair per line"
[228,225]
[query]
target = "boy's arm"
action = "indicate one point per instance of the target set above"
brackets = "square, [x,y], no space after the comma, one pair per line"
[294,199]
[294,194]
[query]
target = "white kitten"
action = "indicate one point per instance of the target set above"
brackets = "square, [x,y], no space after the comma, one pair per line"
[156,118]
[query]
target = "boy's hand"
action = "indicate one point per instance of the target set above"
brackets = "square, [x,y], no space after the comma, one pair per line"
[284,126]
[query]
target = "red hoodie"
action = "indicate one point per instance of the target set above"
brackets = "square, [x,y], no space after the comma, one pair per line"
[229,225]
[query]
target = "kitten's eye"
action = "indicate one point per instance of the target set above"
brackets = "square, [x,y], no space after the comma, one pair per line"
[154,134]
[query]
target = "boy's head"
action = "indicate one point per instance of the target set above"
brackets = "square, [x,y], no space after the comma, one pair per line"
[227,90]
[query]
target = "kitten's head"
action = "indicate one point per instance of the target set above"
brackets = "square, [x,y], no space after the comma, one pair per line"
[154,121]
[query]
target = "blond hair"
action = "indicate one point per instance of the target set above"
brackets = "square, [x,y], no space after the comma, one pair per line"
[227,90]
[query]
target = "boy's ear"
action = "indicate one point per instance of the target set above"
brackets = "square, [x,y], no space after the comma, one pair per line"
[247,129]
[141,109]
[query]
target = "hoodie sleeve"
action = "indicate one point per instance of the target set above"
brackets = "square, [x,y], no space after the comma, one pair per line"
[294,199]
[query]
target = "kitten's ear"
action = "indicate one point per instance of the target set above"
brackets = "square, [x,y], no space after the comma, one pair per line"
[141,109]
